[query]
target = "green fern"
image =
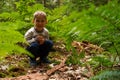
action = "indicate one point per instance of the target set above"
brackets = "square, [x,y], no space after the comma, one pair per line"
[107,75]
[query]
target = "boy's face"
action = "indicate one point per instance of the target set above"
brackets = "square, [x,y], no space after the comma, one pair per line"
[40,22]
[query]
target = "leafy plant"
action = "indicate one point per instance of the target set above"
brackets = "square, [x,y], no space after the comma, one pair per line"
[107,75]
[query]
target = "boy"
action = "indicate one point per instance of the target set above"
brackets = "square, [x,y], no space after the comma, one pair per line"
[38,38]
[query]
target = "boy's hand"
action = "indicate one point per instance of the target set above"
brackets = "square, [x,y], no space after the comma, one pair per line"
[40,39]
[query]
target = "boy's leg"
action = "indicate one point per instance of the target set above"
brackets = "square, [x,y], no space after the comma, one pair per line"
[34,49]
[45,49]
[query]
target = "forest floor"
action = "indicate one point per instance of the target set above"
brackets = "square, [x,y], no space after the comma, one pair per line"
[16,67]
[48,72]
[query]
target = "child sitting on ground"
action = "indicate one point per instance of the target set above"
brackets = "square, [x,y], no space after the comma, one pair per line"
[38,38]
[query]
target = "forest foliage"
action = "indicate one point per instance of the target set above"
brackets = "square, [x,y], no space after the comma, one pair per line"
[94,21]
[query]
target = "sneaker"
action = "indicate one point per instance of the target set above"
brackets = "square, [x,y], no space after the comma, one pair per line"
[45,60]
[33,63]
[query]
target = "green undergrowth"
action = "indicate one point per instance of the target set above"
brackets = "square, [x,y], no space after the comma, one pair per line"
[107,75]
[10,37]
[99,25]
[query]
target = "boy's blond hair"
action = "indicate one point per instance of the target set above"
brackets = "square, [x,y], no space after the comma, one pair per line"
[38,13]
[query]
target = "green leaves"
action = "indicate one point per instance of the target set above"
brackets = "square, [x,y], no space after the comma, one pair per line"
[107,75]
[79,20]
[9,37]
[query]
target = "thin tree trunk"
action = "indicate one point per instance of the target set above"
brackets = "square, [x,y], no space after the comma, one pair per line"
[44,3]
[59,2]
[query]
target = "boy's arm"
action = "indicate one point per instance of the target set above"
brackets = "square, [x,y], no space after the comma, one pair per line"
[46,34]
[29,37]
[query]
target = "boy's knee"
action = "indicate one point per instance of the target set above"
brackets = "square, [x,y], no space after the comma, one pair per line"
[49,42]
[33,47]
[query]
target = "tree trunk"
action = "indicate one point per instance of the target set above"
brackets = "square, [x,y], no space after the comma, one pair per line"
[44,3]
[59,2]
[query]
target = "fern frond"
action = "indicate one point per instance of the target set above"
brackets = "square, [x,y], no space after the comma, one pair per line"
[107,75]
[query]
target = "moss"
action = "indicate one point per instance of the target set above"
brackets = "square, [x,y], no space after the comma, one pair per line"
[2,75]
[16,71]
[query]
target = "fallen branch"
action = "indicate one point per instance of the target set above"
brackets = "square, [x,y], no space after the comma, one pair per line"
[62,64]
[90,70]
